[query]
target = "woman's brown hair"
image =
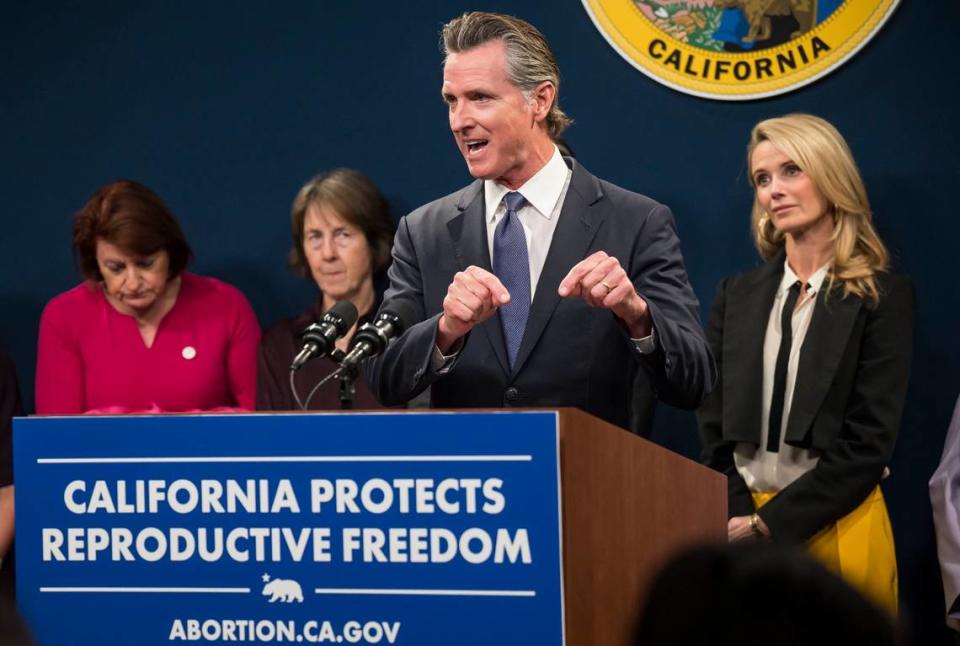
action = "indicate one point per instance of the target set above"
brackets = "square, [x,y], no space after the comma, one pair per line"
[130,216]
[356,199]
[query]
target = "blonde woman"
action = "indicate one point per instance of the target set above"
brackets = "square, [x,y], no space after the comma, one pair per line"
[814,353]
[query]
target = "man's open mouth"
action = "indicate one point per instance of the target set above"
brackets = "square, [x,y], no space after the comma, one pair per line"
[475,145]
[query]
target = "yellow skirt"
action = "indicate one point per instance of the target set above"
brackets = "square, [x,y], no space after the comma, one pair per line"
[859,548]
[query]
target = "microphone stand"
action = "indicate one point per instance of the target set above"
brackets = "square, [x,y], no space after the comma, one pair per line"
[347,389]
[348,376]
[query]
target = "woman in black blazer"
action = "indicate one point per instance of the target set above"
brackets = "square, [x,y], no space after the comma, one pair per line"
[813,350]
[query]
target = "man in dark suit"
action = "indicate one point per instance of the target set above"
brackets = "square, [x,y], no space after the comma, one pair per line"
[539,284]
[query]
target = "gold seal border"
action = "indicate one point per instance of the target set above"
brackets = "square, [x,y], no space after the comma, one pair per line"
[846,31]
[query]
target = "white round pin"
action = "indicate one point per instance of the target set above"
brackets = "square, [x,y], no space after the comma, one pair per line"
[189,352]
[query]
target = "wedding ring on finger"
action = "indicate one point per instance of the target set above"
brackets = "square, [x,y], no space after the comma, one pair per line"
[609,288]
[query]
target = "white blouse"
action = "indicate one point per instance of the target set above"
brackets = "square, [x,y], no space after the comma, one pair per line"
[763,471]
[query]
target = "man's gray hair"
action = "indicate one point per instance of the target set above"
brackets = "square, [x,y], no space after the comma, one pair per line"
[530,60]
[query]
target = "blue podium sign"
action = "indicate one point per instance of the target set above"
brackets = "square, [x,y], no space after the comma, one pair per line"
[365,528]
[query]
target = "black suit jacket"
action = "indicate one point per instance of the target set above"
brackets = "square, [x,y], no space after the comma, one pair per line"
[571,354]
[848,400]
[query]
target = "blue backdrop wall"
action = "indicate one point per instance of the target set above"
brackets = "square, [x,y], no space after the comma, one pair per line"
[225,108]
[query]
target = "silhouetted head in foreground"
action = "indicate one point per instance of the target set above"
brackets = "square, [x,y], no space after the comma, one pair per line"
[757,595]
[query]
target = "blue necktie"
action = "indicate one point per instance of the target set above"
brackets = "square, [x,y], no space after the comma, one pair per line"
[512,267]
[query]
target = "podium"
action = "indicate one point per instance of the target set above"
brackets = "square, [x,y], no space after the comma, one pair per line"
[409,527]
[628,505]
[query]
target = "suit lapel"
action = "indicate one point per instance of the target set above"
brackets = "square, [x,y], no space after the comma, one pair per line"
[468,231]
[579,220]
[823,346]
[747,313]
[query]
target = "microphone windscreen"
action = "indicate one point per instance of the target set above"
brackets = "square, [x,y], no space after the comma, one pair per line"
[403,310]
[344,315]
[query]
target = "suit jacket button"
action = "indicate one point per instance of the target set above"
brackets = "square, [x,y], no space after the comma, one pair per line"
[511,395]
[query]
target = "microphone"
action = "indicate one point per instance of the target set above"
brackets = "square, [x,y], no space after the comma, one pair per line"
[319,338]
[372,338]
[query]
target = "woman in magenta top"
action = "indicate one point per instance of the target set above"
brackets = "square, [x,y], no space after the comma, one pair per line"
[140,334]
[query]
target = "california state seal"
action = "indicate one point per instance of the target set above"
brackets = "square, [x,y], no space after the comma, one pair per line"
[738,49]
